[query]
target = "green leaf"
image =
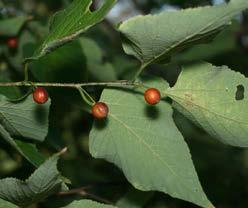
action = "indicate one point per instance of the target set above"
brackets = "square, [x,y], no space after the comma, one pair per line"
[26,149]
[5,204]
[88,204]
[31,152]
[97,69]
[70,23]
[145,143]
[215,98]
[12,26]
[154,38]
[224,43]
[24,119]
[41,184]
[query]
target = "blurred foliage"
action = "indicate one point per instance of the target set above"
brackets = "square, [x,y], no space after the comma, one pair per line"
[223,170]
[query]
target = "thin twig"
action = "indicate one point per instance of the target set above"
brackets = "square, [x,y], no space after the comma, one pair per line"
[141,69]
[70,85]
[86,96]
[82,192]
[26,72]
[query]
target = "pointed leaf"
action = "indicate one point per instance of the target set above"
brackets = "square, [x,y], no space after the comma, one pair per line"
[88,204]
[42,183]
[168,32]
[70,23]
[215,98]
[145,143]
[24,119]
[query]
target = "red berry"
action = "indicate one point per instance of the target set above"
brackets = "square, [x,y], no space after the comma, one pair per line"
[12,43]
[152,96]
[40,95]
[100,110]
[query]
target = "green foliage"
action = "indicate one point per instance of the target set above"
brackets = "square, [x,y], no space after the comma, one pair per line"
[62,65]
[27,120]
[67,25]
[168,32]
[26,42]
[12,26]
[87,204]
[96,68]
[223,43]
[24,119]
[43,182]
[135,133]
[215,99]
[26,149]
[146,143]
[5,204]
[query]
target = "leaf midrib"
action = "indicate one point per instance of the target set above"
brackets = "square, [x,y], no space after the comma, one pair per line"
[151,150]
[144,64]
[201,107]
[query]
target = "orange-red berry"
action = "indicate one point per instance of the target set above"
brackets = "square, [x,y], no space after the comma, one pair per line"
[100,110]
[40,95]
[152,96]
[12,43]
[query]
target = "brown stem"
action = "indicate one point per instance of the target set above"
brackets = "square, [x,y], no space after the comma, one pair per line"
[82,192]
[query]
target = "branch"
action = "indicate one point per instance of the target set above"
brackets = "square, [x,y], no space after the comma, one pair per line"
[141,69]
[82,192]
[120,83]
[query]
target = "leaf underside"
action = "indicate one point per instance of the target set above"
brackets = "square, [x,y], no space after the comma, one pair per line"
[154,38]
[215,98]
[88,204]
[45,181]
[145,143]
[5,204]
[24,119]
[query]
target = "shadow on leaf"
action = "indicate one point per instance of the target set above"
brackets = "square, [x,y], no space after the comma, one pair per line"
[101,124]
[40,113]
[152,112]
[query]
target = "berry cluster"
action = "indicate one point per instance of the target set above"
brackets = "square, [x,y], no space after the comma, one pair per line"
[99,110]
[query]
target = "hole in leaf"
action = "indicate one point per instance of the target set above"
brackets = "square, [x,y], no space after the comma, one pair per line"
[240,93]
